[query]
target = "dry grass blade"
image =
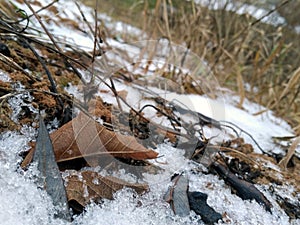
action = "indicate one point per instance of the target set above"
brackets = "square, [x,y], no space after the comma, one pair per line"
[294,80]
[14,65]
[240,83]
[165,15]
[291,151]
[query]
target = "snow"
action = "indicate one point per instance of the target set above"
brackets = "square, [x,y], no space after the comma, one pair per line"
[17,103]
[123,210]
[262,127]
[63,33]
[4,77]
[120,27]
[22,202]
[244,8]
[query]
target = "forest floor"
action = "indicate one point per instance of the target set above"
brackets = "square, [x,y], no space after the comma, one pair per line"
[189,126]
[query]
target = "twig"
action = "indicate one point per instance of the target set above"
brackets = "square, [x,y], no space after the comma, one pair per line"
[95,34]
[8,60]
[291,151]
[140,114]
[116,95]
[90,28]
[41,9]
[232,128]
[248,134]
[53,41]
[163,113]
[259,20]
[238,152]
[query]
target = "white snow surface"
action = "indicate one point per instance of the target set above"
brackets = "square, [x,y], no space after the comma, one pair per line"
[23,203]
[4,77]
[244,8]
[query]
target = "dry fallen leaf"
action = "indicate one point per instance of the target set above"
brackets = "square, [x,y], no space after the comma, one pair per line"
[88,185]
[83,137]
[177,196]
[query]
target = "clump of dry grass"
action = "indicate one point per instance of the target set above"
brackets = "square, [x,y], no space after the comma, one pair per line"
[240,49]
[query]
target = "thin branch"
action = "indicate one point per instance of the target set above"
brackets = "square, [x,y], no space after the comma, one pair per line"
[248,134]
[88,24]
[13,64]
[116,95]
[52,40]
[41,9]
[259,20]
[95,32]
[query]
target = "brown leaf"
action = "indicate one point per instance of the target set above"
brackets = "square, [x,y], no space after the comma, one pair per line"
[88,185]
[84,137]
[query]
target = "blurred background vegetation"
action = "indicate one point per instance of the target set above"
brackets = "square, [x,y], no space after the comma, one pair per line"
[257,60]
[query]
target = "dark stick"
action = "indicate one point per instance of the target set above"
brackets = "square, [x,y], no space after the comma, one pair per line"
[52,82]
[244,189]
[52,39]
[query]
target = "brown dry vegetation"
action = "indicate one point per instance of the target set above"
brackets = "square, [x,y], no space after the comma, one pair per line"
[238,53]
[239,48]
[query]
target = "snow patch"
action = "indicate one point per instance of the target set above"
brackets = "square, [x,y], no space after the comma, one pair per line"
[4,76]
[21,201]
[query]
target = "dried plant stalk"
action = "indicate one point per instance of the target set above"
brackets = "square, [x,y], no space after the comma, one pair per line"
[285,160]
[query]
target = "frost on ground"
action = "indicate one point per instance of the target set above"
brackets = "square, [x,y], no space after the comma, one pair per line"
[22,202]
